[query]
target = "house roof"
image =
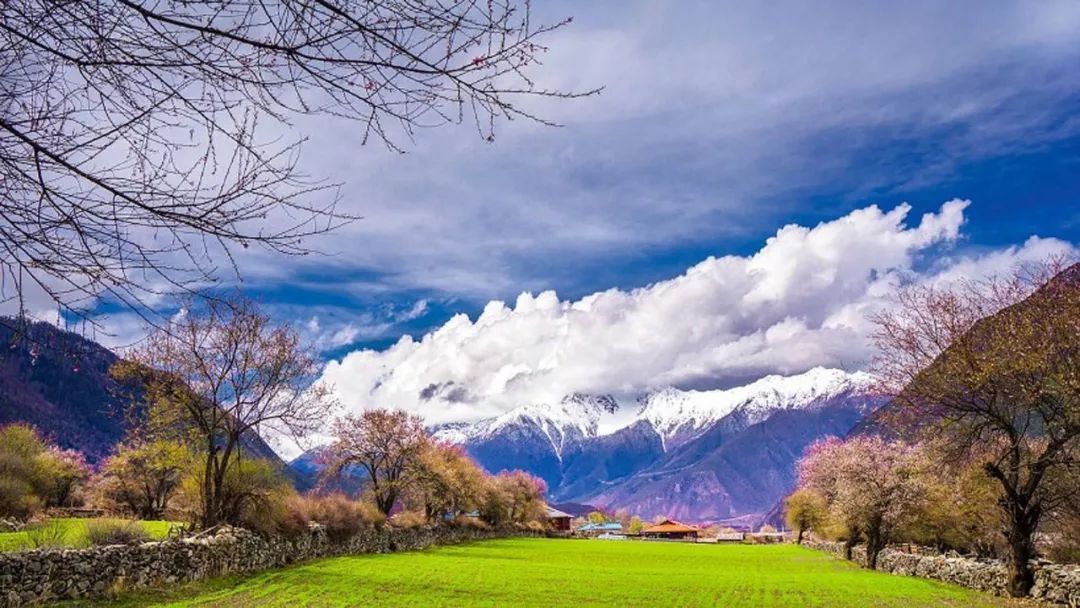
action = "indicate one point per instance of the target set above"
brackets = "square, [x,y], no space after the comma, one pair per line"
[610,526]
[553,513]
[670,525]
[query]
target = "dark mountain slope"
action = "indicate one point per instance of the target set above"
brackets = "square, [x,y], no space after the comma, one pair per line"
[59,382]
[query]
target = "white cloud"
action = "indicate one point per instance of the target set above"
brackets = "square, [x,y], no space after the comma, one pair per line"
[713,115]
[799,302]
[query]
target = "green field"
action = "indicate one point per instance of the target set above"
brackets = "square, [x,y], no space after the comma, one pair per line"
[73,533]
[543,572]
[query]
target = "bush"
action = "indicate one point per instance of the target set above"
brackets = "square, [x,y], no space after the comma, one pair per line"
[409,519]
[341,517]
[17,498]
[115,532]
[293,517]
[46,535]
[535,526]
[463,521]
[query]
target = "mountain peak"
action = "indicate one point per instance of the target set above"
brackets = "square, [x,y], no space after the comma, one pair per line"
[676,414]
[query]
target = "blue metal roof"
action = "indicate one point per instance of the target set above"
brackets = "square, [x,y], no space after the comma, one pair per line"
[604,527]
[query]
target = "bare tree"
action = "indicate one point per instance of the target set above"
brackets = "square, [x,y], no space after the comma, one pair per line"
[140,140]
[992,369]
[387,445]
[224,374]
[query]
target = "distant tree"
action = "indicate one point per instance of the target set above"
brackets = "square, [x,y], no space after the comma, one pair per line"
[444,480]
[636,525]
[596,517]
[143,476]
[66,472]
[871,485]
[36,474]
[141,141]
[514,497]
[804,510]
[224,373]
[386,445]
[526,495]
[990,369]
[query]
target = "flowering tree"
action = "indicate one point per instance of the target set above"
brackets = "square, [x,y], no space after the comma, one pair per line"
[992,370]
[514,497]
[386,444]
[871,486]
[66,471]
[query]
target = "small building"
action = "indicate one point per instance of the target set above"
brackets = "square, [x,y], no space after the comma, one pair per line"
[670,529]
[558,520]
[608,527]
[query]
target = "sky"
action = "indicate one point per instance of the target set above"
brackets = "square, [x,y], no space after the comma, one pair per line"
[753,179]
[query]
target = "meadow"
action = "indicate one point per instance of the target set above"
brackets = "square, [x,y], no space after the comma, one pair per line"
[72,532]
[548,572]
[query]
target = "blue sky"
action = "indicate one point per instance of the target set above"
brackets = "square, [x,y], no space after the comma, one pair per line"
[720,124]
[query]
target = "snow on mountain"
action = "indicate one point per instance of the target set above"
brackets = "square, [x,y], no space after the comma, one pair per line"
[574,418]
[676,415]
[682,414]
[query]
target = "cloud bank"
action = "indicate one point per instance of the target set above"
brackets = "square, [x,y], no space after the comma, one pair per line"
[798,302]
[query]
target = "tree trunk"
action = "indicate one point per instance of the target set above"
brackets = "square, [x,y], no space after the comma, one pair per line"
[798,541]
[1021,537]
[849,544]
[874,544]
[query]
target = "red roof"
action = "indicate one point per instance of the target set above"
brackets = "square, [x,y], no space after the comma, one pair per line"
[670,525]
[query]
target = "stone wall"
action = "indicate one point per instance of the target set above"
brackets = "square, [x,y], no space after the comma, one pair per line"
[30,577]
[1054,583]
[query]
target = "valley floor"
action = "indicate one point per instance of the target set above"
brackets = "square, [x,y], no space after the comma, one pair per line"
[548,572]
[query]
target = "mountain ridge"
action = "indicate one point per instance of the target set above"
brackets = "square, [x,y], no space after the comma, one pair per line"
[683,452]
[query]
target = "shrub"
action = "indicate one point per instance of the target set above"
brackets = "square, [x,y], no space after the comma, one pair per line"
[409,519]
[46,535]
[17,498]
[341,517]
[463,521]
[25,483]
[115,532]
[292,517]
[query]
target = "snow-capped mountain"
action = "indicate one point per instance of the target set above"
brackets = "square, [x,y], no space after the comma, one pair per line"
[692,454]
[574,418]
[680,416]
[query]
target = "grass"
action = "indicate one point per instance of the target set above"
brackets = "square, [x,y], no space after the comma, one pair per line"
[72,532]
[548,572]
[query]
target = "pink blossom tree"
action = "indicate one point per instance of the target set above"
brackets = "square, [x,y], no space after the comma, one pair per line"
[871,486]
[386,444]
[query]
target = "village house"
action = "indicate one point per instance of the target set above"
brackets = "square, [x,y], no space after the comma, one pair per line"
[671,530]
[558,520]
